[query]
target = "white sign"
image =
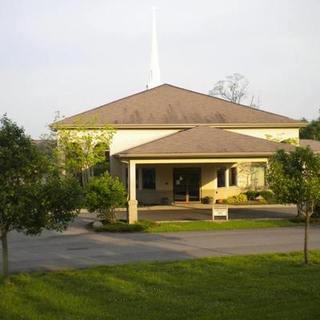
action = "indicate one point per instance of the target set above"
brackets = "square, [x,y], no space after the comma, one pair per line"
[220,211]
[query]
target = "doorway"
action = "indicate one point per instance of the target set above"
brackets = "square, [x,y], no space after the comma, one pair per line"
[186,184]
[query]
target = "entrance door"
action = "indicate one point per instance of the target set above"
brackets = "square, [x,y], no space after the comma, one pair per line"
[186,182]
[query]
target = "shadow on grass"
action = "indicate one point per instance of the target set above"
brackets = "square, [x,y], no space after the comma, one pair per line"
[274,285]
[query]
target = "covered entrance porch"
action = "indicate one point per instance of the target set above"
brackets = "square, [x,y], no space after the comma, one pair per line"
[184,181]
[194,164]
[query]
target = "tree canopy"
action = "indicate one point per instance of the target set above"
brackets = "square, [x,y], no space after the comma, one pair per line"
[84,152]
[311,131]
[33,196]
[235,89]
[294,177]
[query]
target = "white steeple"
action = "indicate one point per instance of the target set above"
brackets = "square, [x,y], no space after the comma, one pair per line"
[154,72]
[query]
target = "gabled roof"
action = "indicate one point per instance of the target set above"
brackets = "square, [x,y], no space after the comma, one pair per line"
[205,142]
[170,105]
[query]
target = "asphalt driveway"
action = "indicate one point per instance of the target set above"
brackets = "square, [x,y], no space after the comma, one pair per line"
[79,248]
[188,213]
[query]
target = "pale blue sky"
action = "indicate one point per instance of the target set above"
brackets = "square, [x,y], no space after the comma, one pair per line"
[72,55]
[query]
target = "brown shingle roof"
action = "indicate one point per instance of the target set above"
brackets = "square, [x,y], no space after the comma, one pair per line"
[313,144]
[206,141]
[171,105]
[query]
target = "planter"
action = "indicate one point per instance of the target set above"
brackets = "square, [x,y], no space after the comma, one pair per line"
[207,200]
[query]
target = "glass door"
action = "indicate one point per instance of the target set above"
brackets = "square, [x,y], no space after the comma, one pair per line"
[186,184]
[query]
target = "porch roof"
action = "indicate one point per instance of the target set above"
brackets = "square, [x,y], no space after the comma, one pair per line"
[203,141]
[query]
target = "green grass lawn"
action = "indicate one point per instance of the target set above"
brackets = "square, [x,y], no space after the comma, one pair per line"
[148,226]
[273,286]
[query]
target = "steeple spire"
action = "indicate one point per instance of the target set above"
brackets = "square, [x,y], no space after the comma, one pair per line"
[154,72]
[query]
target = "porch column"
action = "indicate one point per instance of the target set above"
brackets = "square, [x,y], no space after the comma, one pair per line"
[139,178]
[132,215]
[124,173]
[227,176]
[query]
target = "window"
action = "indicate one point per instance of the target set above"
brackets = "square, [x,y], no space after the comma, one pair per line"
[148,178]
[233,176]
[221,176]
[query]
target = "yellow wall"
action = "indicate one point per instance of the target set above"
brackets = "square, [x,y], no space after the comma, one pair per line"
[128,138]
[276,134]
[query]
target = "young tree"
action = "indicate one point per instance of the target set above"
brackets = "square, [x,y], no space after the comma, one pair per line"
[103,195]
[33,196]
[84,150]
[294,177]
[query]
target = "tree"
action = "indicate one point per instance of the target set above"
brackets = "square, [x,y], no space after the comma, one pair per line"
[235,89]
[33,196]
[103,195]
[311,131]
[294,177]
[84,150]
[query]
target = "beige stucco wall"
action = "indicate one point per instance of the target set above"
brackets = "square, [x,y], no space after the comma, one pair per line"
[124,139]
[209,186]
[128,138]
[276,134]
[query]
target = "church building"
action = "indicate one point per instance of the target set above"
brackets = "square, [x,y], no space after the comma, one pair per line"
[172,144]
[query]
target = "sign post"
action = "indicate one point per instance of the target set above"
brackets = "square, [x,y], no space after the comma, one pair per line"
[220,210]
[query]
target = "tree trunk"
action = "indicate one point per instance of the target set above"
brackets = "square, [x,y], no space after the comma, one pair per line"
[299,211]
[111,216]
[5,260]
[306,237]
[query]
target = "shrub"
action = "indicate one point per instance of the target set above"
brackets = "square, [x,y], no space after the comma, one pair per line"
[238,199]
[252,195]
[207,200]
[268,196]
[103,195]
[121,226]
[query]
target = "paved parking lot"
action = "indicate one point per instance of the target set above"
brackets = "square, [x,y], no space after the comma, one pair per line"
[169,213]
[78,247]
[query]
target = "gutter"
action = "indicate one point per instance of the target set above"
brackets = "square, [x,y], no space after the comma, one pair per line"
[297,125]
[193,155]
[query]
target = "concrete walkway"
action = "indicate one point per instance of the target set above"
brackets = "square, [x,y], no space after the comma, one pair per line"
[79,248]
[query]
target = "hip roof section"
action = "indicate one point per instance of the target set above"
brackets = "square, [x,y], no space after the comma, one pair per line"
[168,105]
